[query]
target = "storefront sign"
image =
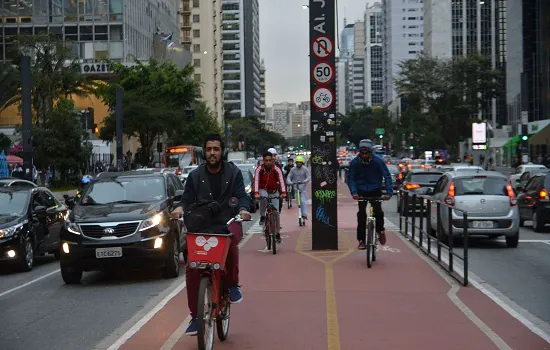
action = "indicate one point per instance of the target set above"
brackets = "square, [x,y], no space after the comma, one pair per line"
[96,68]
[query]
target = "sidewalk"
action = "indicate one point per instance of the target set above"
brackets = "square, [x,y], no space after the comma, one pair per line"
[300,299]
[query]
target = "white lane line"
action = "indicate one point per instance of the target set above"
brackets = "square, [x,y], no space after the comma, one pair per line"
[143,321]
[29,283]
[532,322]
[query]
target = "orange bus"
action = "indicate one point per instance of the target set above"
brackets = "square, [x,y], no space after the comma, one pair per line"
[182,156]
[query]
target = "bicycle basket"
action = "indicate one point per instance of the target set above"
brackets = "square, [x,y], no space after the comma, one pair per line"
[207,251]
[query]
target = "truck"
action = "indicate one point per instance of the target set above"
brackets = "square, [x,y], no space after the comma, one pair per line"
[237,157]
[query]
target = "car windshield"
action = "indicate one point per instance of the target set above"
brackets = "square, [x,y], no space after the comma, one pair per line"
[179,160]
[189,169]
[393,169]
[246,178]
[480,185]
[425,178]
[138,189]
[13,203]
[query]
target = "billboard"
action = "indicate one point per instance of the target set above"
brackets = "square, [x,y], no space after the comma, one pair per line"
[479,133]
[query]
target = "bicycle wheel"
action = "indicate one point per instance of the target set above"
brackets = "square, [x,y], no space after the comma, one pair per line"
[274,227]
[289,202]
[205,319]
[370,244]
[267,232]
[222,323]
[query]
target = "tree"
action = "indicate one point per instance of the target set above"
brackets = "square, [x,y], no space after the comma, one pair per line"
[55,73]
[9,84]
[156,99]
[194,130]
[357,125]
[58,142]
[5,142]
[258,139]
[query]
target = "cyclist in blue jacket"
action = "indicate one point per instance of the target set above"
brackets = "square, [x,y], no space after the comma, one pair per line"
[365,176]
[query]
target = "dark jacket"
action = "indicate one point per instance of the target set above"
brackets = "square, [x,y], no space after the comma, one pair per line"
[197,188]
[369,177]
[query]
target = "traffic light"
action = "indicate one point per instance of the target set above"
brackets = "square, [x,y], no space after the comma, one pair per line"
[381,136]
[411,147]
[348,142]
[524,137]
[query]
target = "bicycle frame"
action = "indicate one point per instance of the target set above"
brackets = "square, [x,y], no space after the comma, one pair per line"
[271,223]
[372,235]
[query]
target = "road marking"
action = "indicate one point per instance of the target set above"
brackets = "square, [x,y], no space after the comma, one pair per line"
[29,283]
[143,321]
[532,322]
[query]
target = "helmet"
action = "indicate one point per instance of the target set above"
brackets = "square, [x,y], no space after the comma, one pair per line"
[272,151]
[85,180]
[366,145]
[300,159]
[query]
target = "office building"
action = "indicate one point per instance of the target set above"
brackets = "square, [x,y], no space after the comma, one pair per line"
[200,23]
[402,39]
[345,61]
[373,62]
[282,118]
[340,86]
[358,66]
[241,57]
[262,92]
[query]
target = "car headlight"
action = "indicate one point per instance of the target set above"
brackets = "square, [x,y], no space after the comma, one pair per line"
[151,222]
[10,231]
[72,227]
[248,189]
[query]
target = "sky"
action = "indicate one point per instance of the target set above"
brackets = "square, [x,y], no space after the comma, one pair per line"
[284,36]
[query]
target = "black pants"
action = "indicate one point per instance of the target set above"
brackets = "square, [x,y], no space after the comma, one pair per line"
[362,215]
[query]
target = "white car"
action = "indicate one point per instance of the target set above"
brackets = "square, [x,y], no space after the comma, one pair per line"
[514,178]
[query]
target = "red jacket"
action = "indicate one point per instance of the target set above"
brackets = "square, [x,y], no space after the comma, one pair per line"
[269,180]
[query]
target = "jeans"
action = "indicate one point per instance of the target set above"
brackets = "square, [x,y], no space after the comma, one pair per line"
[362,214]
[274,201]
[303,202]
[193,276]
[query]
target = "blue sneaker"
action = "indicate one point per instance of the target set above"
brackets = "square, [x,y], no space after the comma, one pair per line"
[235,295]
[192,328]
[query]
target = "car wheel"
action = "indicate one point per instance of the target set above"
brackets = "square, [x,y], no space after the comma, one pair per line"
[538,225]
[172,267]
[71,275]
[27,259]
[513,241]
[57,254]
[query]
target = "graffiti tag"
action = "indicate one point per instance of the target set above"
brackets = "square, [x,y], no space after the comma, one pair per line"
[325,196]
[317,160]
[322,216]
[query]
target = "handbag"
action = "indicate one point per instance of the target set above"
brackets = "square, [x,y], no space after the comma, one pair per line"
[201,216]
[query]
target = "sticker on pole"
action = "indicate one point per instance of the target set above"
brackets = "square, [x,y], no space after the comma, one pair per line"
[323,98]
[322,47]
[323,73]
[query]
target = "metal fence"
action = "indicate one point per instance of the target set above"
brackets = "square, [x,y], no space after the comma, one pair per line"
[415,223]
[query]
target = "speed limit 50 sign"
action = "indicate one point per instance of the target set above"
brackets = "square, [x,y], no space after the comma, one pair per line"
[323,72]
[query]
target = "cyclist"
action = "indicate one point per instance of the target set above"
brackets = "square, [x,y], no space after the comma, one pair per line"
[277,162]
[287,169]
[220,181]
[269,182]
[300,174]
[365,176]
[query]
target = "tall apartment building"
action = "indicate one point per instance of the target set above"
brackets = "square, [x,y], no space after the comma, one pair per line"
[345,61]
[262,92]
[200,23]
[374,60]
[460,27]
[282,118]
[403,38]
[241,57]
[358,66]
[340,85]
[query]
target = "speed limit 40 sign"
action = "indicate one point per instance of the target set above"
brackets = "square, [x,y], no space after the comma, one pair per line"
[323,72]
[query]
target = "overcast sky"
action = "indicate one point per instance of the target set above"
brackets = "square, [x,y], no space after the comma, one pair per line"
[284,36]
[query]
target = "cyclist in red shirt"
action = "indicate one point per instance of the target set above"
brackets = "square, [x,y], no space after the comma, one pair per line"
[269,182]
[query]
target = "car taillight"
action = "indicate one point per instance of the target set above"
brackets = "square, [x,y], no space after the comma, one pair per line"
[511,194]
[450,198]
[543,194]
[412,186]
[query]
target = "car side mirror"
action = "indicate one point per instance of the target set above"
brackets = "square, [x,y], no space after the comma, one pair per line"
[39,210]
[179,195]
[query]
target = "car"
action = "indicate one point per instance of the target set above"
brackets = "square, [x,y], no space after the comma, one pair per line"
[486,196]
[522,169]
[30,224]
[14,181]
[534,202]
[420,181]
[522,181]
[123,220]
[248,177]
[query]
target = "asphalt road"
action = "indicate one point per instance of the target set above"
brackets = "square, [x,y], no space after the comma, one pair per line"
[520,274]
[38,311]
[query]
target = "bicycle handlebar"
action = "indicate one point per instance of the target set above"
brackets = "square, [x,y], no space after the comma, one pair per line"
[237,218]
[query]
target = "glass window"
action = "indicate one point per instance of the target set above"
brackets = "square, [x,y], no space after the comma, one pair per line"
[71,10]
[197,77]
[115,7]
[197,62]
[196,33]
[13,202]
[196,18]
[101,50]
[477,185]
[86,33]
[116,49]
[116,32]
[139,189]
[195,3]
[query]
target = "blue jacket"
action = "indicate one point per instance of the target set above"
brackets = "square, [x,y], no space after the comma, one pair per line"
[368,177]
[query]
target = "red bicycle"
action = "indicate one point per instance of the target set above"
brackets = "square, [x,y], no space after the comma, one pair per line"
[208,253]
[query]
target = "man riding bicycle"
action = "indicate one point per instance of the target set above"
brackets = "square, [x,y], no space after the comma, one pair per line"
[300,175]
[287,170]
[365,176]
[217,181]
[269,182]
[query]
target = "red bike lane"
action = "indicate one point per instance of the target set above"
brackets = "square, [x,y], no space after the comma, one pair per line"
[303,299]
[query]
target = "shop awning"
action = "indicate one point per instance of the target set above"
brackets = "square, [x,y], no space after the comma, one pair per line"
[541,138]
[513,142]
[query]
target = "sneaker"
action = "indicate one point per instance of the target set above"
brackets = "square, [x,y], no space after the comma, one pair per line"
[262,220]
[304,217]
[278,238]
[361,245]
[192,328]
[235,295]
[382,237]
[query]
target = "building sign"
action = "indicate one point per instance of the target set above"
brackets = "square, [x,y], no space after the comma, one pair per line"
[96,68]
[324,166]
[479,134]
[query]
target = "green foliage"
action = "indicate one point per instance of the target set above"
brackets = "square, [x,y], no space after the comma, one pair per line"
[156,100]
[362,123]
[258,139]
[193,131]
[58,142]
[5,142]
[9,84]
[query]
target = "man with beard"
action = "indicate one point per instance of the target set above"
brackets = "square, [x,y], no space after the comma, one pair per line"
[218,181]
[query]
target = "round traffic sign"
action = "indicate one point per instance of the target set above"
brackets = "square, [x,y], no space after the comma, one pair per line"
[323,98]
[323,72]
[322,46]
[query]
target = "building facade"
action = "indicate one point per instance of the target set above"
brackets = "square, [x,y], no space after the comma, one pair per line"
[358,66]
[262,92]
[346,63]
[241,57]
[374,62]
[282,118]
[403,38]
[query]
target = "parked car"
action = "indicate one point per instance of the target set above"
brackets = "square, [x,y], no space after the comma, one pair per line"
[487,197]
[248,177]
[534,201]
[123,220]
[526,176]
[30,224]
[14,181]
[421,181]
[523,168]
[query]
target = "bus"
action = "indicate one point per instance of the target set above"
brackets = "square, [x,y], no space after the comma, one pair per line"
[182,156]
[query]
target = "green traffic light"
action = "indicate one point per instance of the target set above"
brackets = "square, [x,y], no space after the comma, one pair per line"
[381,136]
[348,142]
[411,147]
[524,138]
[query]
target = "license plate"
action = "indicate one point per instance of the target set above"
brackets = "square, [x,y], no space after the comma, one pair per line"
[101,253]
[482,224]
